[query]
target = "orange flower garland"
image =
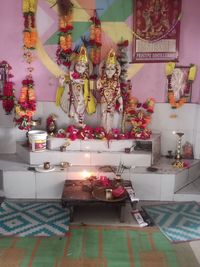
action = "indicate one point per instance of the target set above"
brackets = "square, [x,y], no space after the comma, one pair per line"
[65,42]
[26,106]
[173,102]
[30,34]
[95,39]
[27,101]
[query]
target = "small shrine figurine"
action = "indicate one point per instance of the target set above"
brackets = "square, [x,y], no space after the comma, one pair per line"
[51,125]
[188,151]
[110,91]
[78,99]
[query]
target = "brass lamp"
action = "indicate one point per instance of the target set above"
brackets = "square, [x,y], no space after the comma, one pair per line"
[178,162]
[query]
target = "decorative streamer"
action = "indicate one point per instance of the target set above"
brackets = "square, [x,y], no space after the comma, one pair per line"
[8,97]
[64,50]
[26,106]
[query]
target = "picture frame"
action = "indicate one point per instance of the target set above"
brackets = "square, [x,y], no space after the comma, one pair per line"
[156,30]
[179,83]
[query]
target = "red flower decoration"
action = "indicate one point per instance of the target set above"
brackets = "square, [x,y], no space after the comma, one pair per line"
[75,75]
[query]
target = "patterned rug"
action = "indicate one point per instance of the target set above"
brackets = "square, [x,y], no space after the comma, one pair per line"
[178,221]
[97,246]
[33,219]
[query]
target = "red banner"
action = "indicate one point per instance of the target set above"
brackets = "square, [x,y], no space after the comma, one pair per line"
[156,30]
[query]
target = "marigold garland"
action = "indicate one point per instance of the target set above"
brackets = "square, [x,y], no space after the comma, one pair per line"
[27,101]
[95,42]
[30,34]
[65,42]
[139,115]
[26,106]
[169,68]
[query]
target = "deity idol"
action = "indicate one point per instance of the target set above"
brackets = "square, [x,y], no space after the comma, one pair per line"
[110,91]
[77,98]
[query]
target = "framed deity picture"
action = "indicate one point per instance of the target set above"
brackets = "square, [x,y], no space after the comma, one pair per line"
[156,30]
[180,84]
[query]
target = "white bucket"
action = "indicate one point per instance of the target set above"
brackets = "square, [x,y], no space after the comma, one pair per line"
[37,140]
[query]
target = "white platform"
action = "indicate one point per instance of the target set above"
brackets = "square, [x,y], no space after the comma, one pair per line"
[167,184]
[89,158]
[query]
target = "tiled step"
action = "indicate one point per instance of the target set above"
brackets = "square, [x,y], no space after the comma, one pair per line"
[189,192]
[93,158]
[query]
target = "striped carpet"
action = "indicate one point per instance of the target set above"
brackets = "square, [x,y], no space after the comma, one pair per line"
[97,246]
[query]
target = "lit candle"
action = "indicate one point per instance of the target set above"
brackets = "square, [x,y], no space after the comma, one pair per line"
[85,174]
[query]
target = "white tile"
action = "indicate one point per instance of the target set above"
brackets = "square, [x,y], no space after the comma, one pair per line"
[120,145]
[54,143]
[169,140]
[105,158]
[197,122]
[7,140]
[194,172]
[19,184]
[75,158]
[6,121]
[163,119]
[23,152]
[196,146]
[20,135]
[187,197]
[197,184]
[181,179]
[50,185]
[136,159]
[62,118]
[167,187]
[147,187]
[94,145]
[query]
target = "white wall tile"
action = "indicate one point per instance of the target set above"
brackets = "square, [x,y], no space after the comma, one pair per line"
[7,140]
[5,120]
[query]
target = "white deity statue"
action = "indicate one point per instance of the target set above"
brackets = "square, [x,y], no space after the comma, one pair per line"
[77,99]
[110,91]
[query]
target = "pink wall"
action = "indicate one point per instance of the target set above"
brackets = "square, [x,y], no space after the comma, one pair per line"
[149,81]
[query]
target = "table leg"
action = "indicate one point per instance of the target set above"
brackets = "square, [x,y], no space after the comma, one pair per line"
[122,214]
[71,212]
[134,205]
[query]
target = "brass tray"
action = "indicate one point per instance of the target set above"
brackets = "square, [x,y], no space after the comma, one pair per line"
[100,194]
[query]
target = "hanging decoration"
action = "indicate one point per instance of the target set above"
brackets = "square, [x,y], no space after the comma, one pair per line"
[30,34]
[64,50]
[179,82]
[26,105]
[6,87]
[156,30]
[95,43]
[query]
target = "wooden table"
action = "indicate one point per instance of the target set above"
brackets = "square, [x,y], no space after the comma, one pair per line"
[79,193]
